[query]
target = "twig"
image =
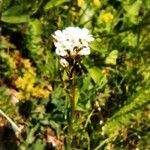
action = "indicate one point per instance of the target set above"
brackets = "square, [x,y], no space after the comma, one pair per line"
[14,126]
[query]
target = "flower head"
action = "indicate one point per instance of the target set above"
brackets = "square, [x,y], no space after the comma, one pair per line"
[72,42]
[107,17]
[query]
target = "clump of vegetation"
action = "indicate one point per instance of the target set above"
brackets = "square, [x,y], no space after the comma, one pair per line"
[112,84]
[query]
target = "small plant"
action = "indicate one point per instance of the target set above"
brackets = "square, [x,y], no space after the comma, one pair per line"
[71,45]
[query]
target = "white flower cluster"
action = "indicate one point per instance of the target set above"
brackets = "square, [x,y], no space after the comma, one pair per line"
[72,42]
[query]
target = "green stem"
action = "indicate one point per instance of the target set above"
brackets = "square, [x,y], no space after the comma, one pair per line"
[72,103]
[72,112]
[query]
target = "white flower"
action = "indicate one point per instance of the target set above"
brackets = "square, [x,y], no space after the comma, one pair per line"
[73,39]
[58,35]
[84,51]
[64,62]
[60,51]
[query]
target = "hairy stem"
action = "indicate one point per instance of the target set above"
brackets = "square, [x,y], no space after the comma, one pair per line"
[72,102]
[72,111]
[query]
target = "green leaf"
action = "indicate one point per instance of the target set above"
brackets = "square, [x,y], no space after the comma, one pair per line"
[77,94]
[15,14]
[95,46]
[31,133]
[132,110]
[79,108]
[133,10]
[86,14]
[36,28]
[5,44]
[95,74]
[111,58]
[55,126]
[15,19]
[39,145]
[100,46]
[54,3]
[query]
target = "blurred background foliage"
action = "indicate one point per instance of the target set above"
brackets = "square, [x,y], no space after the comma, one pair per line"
[112,96]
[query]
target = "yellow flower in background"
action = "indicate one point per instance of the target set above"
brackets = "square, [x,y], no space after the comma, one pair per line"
[24,82]
[29,87]
[20,83]
[40,92]
[107,17]
[28,84]
[97,3]
[29,77]
[26,63]
[80,3]
[27,67]
[21,95]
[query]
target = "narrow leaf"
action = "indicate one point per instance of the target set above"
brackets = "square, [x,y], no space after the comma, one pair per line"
[54,3]
[15,19]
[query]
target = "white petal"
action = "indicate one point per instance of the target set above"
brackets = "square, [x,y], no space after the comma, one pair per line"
[61,52]
[58,33]
[64,62]
[85,43]
[84,51]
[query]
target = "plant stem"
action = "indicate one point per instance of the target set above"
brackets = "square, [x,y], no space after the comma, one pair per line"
[72,112]
[72,103]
